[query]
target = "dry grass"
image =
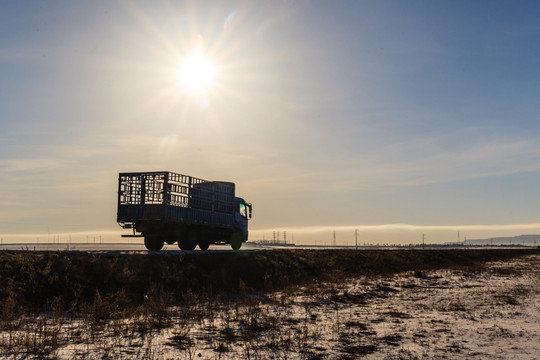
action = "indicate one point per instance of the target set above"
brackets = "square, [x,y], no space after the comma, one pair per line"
[50,300]
[117,286]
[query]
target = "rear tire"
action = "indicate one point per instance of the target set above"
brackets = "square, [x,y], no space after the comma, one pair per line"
[236,240]
[189,242]
[153,243]
[204,244]
[170,240]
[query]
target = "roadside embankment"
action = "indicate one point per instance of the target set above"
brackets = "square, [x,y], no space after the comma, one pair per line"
[34,282]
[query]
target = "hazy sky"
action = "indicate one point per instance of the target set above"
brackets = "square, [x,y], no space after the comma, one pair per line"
[349,113]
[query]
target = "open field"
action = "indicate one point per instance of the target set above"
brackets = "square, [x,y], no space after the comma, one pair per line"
[305,304]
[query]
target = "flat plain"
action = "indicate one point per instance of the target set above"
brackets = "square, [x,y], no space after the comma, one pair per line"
[281,304]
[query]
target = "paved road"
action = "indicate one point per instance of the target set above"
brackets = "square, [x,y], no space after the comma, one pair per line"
[115,248]
[138,248]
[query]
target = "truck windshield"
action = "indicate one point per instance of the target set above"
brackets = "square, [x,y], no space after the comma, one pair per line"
[243,210]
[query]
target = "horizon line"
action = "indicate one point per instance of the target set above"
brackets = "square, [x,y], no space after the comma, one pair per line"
[314,229]
[402,226]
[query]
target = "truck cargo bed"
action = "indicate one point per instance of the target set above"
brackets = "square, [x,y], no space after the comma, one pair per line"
[170,197]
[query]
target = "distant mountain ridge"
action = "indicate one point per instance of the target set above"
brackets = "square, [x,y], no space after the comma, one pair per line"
[512,240]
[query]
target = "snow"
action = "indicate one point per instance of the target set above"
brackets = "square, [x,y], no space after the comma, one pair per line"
[489,312]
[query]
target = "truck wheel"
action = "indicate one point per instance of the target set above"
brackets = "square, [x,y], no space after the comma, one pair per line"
[189,242]
[236,240]
[153,243]
[204,244]
[170,240]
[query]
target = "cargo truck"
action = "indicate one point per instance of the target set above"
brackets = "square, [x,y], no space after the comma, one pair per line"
[166,207]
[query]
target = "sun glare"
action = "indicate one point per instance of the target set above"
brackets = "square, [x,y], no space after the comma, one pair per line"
[196,73]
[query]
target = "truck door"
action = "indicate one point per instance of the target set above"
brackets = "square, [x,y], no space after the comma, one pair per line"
[240,215]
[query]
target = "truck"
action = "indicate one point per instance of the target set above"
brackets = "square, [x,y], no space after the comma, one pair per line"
[166,207]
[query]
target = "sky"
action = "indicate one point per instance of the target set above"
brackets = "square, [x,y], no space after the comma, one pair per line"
[398,118]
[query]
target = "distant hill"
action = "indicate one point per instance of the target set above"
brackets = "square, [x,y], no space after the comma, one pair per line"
[531,240]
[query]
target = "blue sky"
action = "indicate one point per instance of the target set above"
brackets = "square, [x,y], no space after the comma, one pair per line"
[325,114]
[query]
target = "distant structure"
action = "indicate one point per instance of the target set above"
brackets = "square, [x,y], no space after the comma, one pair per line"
[276,241]
[527,240]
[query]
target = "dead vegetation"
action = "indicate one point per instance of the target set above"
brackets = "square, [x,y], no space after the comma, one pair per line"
[288,312]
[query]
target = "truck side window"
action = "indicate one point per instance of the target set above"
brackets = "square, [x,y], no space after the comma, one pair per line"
[243,210]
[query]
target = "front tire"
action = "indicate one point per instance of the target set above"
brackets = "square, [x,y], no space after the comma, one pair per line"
[236,240]
[153,243]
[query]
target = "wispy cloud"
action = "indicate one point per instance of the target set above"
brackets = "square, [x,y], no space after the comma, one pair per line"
[407,227]
[65,236]
[428,162]
[33,164]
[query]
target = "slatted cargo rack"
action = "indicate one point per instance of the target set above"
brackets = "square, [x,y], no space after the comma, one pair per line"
[167,196]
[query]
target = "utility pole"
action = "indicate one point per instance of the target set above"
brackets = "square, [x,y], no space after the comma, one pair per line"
[334,238]
[356,237]
[423,241]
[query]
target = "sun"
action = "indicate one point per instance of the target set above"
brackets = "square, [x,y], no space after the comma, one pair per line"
[196,73]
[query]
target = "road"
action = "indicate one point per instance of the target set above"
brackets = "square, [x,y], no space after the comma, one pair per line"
[138,248]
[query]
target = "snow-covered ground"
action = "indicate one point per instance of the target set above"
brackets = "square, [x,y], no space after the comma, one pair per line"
[484,312]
